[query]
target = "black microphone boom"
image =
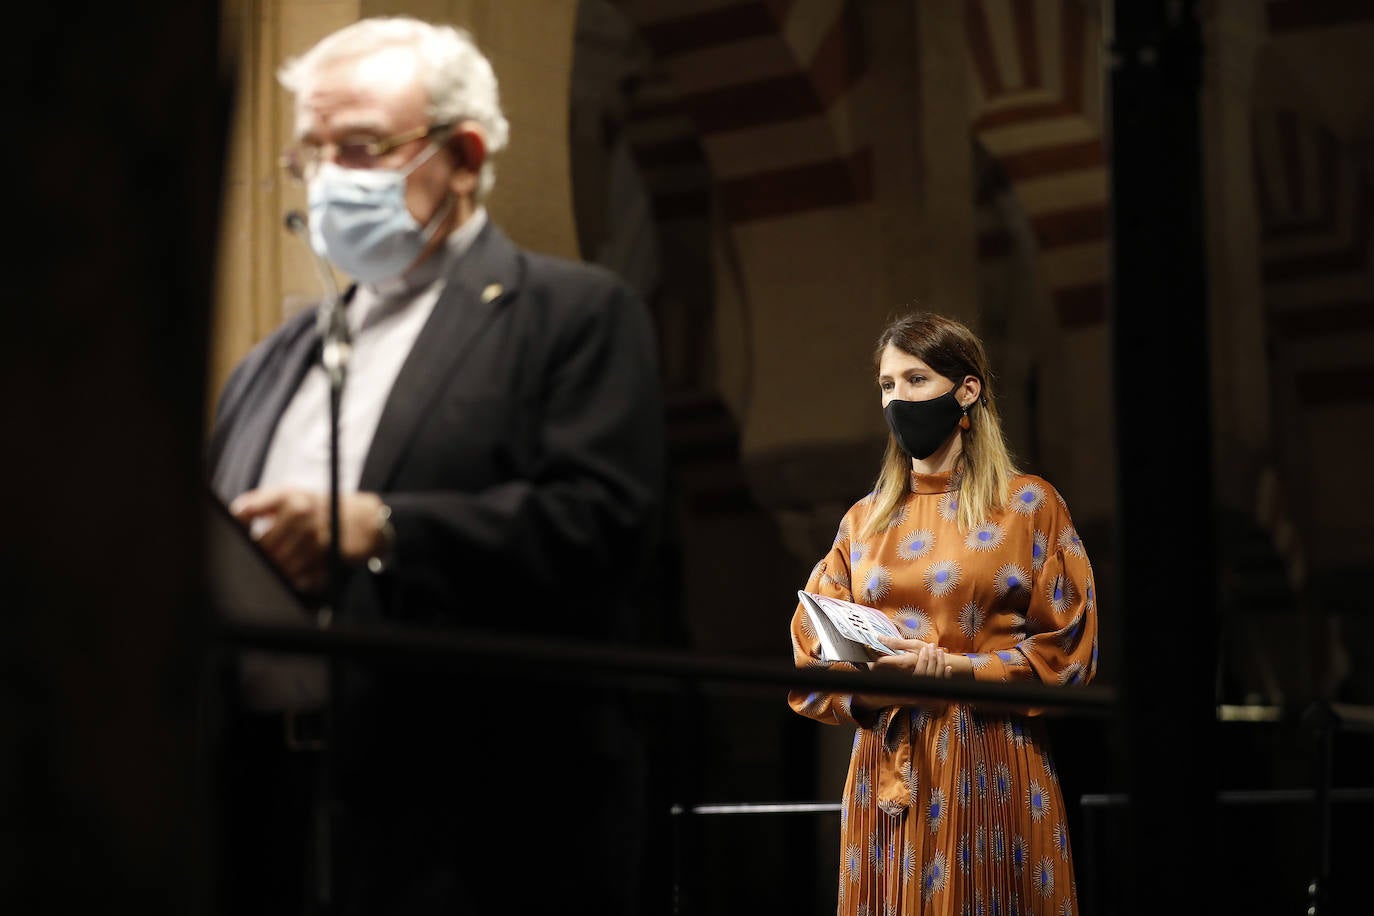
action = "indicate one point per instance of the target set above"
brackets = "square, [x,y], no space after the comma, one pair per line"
[331,324]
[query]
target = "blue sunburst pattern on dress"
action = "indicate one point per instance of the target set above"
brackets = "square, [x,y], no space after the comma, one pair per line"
[963,788]
[1010,578]
[875,859]
[980,844]
[1016,625]
[1066,907]
[981,782]
[1048,762]
[817,571]
[963,724]
[863,789]
[837,577]
[999,844]
[912,622]
[911,780]
[1072,674]
[1061,594]
[1001,783]
[979,660]
[1044,877]
[852,861]
[935,809]
[916,544]
[1070,542]
[1061,840]
[1016,735]
[920,718]
[898,518]
[1027,498]
[1020,853]
[875,584]
[1068,637]
[1040,547]
[970,620]
[1091,596]
[891,735]
[841,533]
[813,702]
[987,536]
[1039,801]
[908,865]
[942,577]
[857,551]
[995,903]
[933,876]
[948,506]
[942,744]
[965,854]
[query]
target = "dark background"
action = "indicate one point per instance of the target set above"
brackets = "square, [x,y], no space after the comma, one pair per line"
[118,124]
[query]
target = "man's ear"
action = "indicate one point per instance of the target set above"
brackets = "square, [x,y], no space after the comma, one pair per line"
[467,147]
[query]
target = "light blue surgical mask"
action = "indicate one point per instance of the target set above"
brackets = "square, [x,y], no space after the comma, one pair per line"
[359,219]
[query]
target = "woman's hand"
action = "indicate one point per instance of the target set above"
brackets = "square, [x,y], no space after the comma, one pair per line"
[915,656]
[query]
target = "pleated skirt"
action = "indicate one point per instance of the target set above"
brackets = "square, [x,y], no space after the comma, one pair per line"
[984,831]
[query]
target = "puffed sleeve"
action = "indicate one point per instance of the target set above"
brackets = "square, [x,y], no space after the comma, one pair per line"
[830,577]
[1060,643]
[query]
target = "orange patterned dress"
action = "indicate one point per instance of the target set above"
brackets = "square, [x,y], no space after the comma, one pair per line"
[949,810]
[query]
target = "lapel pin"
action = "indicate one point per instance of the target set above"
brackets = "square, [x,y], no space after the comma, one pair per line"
[491,291]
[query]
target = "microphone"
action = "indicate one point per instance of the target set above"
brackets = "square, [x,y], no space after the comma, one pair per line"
[332,326]
[329,320]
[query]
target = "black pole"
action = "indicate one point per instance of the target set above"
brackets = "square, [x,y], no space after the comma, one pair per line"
[334,355]
[106,800]
[1165,552]
[331,324]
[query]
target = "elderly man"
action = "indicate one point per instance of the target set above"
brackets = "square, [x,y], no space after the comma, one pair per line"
[499,466]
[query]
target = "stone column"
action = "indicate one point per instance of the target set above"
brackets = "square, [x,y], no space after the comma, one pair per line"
[1240,380]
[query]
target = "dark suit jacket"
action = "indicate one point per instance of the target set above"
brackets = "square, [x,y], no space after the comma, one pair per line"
[521,453]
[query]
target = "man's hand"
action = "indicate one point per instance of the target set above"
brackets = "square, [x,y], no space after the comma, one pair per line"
[292,527]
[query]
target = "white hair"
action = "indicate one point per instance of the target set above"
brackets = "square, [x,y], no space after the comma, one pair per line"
[458,78]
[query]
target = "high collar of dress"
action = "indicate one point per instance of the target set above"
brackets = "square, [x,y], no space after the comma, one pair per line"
[943,482]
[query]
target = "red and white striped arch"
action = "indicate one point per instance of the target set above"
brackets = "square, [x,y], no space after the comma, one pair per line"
[756,91]
[1036,68]
[1316,211]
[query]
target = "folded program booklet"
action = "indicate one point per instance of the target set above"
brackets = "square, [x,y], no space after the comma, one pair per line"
[848,632]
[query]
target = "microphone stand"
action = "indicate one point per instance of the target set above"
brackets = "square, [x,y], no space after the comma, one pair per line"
[331,322]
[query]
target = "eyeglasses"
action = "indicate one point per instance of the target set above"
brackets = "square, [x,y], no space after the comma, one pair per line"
[303,160]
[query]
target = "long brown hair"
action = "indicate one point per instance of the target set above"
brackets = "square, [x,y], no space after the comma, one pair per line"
[985,466]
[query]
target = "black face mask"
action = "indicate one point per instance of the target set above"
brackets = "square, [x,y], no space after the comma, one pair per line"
[921,427]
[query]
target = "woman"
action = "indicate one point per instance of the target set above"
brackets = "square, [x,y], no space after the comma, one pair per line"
[948,809]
